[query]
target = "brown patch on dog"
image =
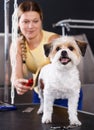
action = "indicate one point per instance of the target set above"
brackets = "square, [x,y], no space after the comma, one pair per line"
[42,84]
[82,45]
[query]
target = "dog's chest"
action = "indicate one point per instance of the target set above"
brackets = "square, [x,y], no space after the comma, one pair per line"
[60,79]
[64,80]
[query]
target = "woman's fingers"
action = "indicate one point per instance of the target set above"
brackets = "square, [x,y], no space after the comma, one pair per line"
[21,91]
[20,86]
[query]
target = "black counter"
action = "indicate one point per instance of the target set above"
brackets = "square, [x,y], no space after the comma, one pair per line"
[21,120]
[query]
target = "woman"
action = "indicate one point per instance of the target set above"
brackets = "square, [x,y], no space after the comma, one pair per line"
[29,50]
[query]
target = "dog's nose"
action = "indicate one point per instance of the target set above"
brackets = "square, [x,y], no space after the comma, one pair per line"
[64,53]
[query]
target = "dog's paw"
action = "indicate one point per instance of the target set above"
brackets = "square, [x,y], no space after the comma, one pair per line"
[40,111]
[46,119]
[75,123]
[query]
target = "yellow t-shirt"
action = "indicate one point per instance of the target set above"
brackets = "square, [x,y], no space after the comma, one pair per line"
[36,59]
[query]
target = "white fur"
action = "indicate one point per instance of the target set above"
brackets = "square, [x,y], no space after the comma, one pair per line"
[60,81]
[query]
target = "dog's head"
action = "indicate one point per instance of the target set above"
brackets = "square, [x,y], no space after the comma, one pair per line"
[65,50]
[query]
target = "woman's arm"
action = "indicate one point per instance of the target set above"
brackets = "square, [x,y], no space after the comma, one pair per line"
[17,70]
[16,61]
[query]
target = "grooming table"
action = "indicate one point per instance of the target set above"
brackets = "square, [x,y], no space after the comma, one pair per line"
[26,118]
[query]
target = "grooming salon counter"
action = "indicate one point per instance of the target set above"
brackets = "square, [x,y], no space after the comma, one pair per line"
[26,118]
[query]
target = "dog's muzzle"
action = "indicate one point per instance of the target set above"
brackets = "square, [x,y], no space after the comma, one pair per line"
[64,59]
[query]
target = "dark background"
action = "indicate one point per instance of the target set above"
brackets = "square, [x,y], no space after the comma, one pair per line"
[56,10]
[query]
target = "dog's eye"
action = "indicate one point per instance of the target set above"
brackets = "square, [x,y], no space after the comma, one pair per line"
[71,48]
[58,48]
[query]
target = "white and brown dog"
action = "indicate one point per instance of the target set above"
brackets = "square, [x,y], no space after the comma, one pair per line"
[61,77]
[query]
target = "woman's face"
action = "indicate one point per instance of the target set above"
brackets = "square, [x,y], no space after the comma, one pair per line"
[30,24]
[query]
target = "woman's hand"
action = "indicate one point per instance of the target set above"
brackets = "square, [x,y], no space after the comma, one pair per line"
[21,86]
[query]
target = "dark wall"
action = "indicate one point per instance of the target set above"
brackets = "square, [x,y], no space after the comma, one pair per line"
[56,10]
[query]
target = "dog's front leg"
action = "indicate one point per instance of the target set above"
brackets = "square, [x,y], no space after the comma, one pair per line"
[72,110]
[48,108]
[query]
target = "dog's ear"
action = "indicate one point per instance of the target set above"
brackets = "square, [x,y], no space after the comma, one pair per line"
[82,45]
[47,48]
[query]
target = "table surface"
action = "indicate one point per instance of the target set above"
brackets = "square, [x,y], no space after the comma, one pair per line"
[20,120]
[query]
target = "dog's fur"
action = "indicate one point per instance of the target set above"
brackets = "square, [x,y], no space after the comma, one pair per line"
[61,77]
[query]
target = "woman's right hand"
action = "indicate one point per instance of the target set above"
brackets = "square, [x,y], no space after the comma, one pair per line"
[21,87]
